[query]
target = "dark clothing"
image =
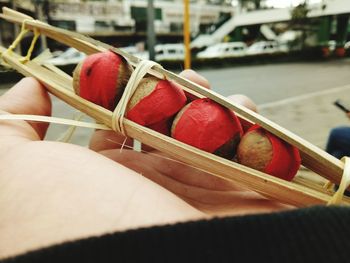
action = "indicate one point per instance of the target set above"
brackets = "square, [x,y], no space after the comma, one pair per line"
[338,143]
[316,234]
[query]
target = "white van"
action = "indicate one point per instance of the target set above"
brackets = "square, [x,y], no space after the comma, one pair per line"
[170,52]
[263,47]
[224,50]
[70,56]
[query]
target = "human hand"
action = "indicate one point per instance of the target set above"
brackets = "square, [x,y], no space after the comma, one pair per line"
[52,192]
[212,195]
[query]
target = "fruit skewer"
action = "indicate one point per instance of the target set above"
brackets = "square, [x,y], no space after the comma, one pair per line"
[61,86]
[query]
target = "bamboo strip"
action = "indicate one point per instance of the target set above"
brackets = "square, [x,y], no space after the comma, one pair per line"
[272,187]
[311,185]
[38,118]
[312,157]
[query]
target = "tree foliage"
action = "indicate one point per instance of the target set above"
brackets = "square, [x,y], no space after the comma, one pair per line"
[299,14]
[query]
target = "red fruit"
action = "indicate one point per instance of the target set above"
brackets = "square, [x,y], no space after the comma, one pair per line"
[101,78]
[155,101]
[265,152]
[208,126]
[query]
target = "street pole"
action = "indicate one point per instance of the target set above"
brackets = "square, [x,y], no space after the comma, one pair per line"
[186,32]
[151,36]
[18,48]
[1,30]
[41,17]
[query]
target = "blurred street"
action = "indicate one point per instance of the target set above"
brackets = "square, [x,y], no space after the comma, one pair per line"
[269,83]
[298,96]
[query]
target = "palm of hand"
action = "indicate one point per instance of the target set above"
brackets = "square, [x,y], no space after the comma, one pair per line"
[52,192]
[209,194]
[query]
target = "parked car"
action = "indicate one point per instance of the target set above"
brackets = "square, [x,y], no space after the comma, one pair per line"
[170,52]
[332,45]
[70,56]
[347,48]
[224,50]
[162,52]
[263,47]
[347,45]
[133,50]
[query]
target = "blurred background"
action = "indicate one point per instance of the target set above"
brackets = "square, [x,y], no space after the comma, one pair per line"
[219,30]
[291,57]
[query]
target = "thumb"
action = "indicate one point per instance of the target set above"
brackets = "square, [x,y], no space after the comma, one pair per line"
[27,97]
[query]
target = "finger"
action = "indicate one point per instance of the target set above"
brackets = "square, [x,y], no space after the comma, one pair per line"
[104,140]
[27,97]
[244,101]
[195,77]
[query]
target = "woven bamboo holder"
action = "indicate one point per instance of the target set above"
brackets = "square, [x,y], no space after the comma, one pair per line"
[299,192]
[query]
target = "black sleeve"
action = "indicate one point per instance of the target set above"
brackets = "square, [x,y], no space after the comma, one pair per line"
[316,234]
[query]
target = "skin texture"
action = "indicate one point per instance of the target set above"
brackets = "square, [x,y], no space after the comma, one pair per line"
[51,192]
